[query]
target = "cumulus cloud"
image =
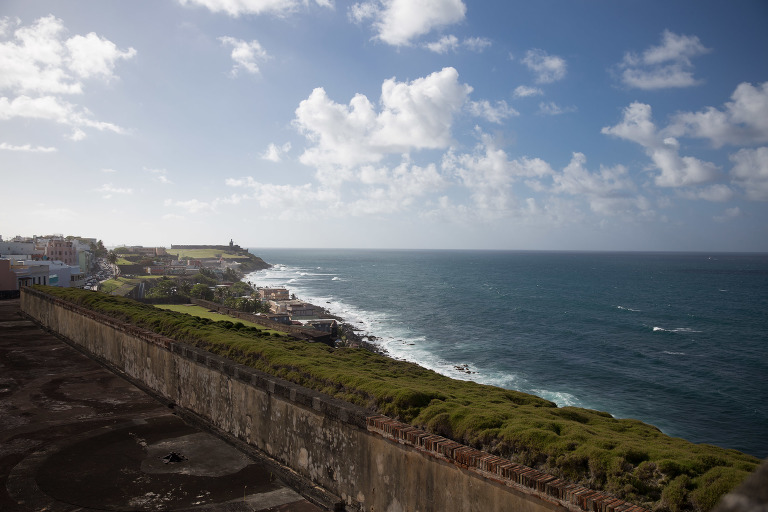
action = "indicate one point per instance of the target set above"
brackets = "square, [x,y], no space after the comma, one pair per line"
[398,22]
[274,153]
[445,44]
[236,8]
[289,201]
[395,190]
[663,66]
[38,65]
[92,55]
[609,191]
[476,44]
[489,175]
[524,91]
[676,171]
[26,148]
[715,193]
[546,68]
[50,108]
[413,115]
[38,60]
[246,55]
[493,113]
[742,121]
[451,43]
[750,171]
[550,108]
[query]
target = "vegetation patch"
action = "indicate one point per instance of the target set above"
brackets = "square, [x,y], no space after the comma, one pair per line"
[627,458]
[201,312]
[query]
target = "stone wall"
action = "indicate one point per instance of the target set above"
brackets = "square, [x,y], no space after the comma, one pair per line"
[371,462]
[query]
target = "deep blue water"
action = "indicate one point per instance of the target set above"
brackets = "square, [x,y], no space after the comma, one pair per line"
[679,341]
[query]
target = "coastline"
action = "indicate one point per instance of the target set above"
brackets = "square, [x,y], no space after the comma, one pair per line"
[512,318]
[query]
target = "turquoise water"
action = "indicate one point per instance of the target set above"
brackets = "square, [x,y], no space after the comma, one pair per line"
[676,340]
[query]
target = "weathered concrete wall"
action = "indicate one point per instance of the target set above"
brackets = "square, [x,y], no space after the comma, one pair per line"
[373,463]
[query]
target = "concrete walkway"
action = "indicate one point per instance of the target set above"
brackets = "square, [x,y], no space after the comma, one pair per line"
[76,437]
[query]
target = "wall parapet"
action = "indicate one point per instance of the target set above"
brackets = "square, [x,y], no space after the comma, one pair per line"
[371,461]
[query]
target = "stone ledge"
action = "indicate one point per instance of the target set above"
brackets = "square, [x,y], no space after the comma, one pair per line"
[523,478]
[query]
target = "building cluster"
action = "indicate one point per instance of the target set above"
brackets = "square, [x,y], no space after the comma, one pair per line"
[51,260]
[287,309]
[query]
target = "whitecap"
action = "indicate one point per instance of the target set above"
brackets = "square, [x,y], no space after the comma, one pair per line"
[676,330]
[561,398]
[669,352]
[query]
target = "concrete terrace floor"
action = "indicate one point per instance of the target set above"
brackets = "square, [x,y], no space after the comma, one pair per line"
[76,437]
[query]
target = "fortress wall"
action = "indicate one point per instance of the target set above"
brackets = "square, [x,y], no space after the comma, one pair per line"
[371,462]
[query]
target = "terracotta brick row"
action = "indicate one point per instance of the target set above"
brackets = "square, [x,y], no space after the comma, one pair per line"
[511,473]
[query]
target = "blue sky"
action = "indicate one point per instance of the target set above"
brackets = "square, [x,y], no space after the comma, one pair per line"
[567,125]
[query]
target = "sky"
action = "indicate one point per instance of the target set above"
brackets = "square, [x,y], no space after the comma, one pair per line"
[409,124]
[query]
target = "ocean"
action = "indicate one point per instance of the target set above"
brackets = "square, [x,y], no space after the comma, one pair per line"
[679,341]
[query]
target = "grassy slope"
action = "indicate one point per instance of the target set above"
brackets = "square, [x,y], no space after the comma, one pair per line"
[627,458]
[201,312]
[204,254]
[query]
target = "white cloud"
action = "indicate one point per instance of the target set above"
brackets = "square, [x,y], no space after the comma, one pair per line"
[524,91]
[290,202]
[550,108]
[397,22]
[236,8]
[729,214]
[246,55]
[477,44]
[39,60]
[92,55]
[663,66]
[744,120]
[547,68]
[38,65]
[450,43]
[444,45]
[395,190]
[493,113]
[108,190]
[27,148]
[413,115]
[190,206]
[750,171]
[676,171]
[274,153]
[489,174]
[50,108]
[715,193]
[609,191]
[159,175]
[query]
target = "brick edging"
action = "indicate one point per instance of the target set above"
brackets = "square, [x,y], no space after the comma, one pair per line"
[523,478]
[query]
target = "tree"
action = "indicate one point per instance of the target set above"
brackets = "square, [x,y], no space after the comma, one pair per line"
[201,291]
[230,275]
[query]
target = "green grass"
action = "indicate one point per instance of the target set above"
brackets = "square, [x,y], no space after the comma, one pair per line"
[627,458]
[122,285]
[201,312]
[204,254]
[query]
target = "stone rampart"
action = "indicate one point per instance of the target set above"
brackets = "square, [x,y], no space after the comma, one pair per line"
[373,463]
